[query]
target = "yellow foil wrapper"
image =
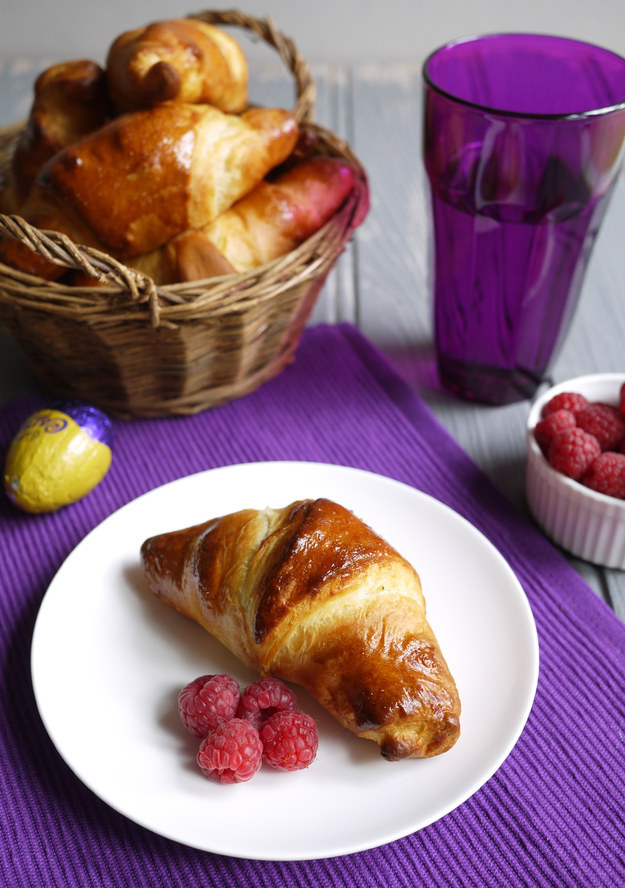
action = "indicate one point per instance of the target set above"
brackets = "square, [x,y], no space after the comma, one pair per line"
[52,462]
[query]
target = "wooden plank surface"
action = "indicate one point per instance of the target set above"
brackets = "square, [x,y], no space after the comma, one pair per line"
[381,282]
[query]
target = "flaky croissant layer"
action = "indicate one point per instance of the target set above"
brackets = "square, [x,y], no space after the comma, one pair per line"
[312,595]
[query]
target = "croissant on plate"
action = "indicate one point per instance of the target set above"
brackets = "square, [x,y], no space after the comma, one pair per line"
[184,60]
[312,595]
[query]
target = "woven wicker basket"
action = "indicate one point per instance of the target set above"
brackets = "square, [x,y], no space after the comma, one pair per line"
[138,350]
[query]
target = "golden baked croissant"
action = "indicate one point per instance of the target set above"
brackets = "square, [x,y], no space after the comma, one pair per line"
[70,99]
[184,60]
[270,221]
[149,175]
[310,594]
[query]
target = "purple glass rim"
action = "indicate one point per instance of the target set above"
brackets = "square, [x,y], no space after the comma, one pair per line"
[504,112]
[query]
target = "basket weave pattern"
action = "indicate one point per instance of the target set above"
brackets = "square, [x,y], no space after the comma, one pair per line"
[138,350]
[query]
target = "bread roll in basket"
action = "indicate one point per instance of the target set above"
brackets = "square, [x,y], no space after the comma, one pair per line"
[119,333]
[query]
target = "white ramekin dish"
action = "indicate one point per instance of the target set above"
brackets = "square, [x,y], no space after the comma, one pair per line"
[587,524]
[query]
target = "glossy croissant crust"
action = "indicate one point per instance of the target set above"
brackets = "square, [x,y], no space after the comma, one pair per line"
[312,595]
[273,219]
[147,175]
[70,100]
[158,161]
[181,60]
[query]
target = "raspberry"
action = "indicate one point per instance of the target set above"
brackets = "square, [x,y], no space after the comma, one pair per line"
[572,401]
[572,452]
[607,475]
[232,753]
[553,423]
[263,698]
[289,740]
[621,398]
[604,422]
[207,701]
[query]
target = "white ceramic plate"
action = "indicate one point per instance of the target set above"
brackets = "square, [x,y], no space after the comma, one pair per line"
[108,661]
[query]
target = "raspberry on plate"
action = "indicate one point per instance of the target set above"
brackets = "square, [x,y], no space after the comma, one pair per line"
[572,452]
[572,401]
[607,475]
[263,698]
[547,428]
[207,701]
[604,422]
[290,740]
[231,753]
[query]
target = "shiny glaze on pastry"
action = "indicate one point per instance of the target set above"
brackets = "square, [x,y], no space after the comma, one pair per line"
[312,595]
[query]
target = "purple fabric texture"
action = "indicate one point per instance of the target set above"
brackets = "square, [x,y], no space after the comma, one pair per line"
[552,815]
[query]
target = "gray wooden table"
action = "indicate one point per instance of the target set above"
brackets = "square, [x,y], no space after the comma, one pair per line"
[381,281]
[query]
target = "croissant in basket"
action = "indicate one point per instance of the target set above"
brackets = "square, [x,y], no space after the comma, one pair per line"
[310,594]
[176,189]
[146,176]
[70,100]
[269,222]
[183,60]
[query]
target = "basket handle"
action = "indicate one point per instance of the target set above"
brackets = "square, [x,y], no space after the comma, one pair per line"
[304,110]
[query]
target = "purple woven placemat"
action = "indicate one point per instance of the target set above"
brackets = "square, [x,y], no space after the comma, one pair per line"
[553,813]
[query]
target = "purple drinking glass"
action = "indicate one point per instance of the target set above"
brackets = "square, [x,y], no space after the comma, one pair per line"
[523,142]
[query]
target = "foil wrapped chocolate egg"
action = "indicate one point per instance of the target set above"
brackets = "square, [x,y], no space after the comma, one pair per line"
[58,456]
